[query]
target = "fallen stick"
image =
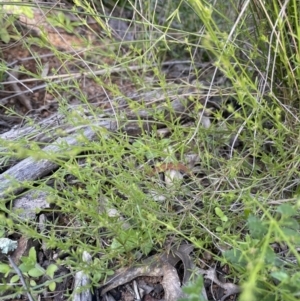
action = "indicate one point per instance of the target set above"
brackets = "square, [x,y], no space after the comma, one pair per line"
[30,169]
[46,132]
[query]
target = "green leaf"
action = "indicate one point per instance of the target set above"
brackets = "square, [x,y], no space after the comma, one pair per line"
[295,279]
[25,267]
[126,240]
[14,279]
[32,254]
[109,272]
[194,287]
[28,11]
[193,290]
[32,282]
[270,256]
[280,275]
[256,227]
[37,271]
[61,17]
[291,234]
[286,210]
[51,269]
[4,268]
[17,10]
[224,218]
[2,232]
[52,286]
[290,223]
[221,214]
[96,277]
[247,212]
[236,257]
[69,28]
[4,35]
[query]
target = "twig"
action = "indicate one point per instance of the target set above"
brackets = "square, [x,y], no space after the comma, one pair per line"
[113,69]
[13,76]
[58,79]
[82,291]
[136,291]
[17,270]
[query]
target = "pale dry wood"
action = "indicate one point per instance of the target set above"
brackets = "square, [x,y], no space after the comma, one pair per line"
[25,206]
[82,291]
[45,131]
[30,169]
[58,135]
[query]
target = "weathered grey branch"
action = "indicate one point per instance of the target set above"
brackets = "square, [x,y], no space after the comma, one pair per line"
[31,169]
[46,132]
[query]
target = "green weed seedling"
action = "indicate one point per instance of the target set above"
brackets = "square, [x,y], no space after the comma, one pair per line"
[223,218]
[31,271]
[256,259]
[8,15]
[193,291]
[61,20]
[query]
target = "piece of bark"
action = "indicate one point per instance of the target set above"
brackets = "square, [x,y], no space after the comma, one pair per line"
[46,131]
[82,289]
[133,123]
[30,169]
[26,205]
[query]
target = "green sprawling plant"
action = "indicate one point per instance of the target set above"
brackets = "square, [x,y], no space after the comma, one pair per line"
[246,214]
